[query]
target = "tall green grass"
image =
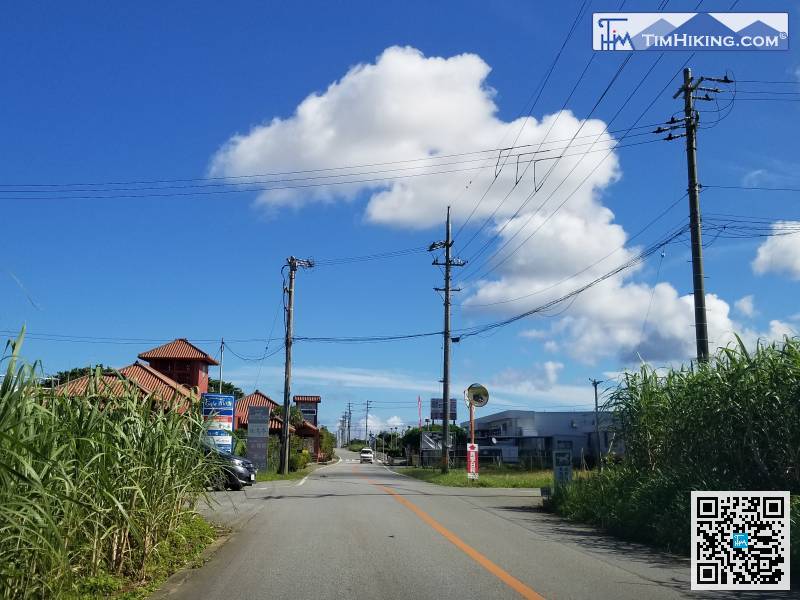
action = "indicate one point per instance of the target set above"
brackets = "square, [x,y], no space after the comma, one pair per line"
[731,425]
[91,485]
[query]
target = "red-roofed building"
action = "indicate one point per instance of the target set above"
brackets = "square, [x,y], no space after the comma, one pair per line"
[257,398]
[144,378]
[310,435]
[308,405]
[181,361]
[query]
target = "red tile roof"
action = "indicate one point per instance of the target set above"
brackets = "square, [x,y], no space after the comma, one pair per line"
[143,377]
[179,349]
[307,427]
[276,424]
[243,405]
[155,382]
[307,399]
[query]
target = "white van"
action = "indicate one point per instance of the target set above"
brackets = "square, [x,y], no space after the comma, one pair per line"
[367,455]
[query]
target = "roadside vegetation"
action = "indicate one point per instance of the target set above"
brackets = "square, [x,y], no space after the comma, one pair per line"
[731,425]
[300,459]
[356,445]
[490,477]
[96,491]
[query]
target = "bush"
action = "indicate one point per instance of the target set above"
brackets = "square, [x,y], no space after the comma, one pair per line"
[327,444]
[356,445]
[731,425]
[298,460]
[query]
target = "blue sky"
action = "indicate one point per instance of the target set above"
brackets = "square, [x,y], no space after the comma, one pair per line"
[147,91]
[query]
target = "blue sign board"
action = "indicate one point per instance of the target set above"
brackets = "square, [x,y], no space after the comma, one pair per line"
[218,410]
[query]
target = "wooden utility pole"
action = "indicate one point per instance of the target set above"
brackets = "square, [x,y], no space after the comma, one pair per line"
[293,264]
[366,425]
[221,360]
[449,262]
[690,90]
[595,383]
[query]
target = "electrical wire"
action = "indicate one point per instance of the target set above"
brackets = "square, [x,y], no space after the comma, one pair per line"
[253,358]
[471,331]
[476,270]
[369,257]
[757,188]
[582,271]
[109,195]
[538,94]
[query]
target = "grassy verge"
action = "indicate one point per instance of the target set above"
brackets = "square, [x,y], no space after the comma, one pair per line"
[275,476]
[182,547]
[491,478]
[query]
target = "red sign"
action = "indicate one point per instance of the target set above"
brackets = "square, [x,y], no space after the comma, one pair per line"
[472,461]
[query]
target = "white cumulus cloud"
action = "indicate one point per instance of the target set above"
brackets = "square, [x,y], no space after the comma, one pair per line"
[779,254]
[746,305]
[406,105]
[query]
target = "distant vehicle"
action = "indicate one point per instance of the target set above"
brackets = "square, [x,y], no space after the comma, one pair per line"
[237,472]
[367,455]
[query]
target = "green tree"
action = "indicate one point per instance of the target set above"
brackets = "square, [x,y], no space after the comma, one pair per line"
[327,443]
[295,416]
[76,373]
[227,388]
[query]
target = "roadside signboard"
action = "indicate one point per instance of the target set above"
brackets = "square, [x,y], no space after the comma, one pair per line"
[562,467]
[437,409]
[258,436]
[472,461]
[218,416]
[432,440]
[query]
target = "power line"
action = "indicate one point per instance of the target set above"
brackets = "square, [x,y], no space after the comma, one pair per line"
[269,336]
[582,271]
[469,332]
[109,195]
[622,66]
[537,188]
[752,188]
[234,180]
[253,358]
[476,271]
[518,179]
[767,81]
[540,87]
[370,257]
[55,337]
[367,338]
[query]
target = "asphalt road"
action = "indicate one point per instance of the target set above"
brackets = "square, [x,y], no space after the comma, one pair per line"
[362,531]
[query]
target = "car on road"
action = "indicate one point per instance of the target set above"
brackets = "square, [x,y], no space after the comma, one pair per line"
[235,471]
[367,456]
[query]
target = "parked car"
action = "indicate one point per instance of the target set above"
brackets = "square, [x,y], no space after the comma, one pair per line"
[367,456]
[236,471]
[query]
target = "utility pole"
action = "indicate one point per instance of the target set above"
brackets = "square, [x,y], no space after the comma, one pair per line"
[293,264]
[366,424]
[349,418]
[691,117]
[448,263]
[221,360]
[595,383]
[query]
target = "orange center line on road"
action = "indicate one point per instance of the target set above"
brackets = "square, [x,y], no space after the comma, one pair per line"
[503,575]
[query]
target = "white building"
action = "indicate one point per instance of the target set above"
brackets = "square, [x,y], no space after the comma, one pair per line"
[521,435]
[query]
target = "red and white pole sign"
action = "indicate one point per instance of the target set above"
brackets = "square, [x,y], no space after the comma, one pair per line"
[472,461]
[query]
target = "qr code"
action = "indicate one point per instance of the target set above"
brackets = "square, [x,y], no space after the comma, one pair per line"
[740,540]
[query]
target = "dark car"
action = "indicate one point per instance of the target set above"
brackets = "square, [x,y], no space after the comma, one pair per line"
[236,471]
